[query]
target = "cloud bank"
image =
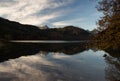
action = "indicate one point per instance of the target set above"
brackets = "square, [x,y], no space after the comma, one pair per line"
[33,12]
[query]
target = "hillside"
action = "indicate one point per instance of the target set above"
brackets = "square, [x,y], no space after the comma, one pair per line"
[11,30]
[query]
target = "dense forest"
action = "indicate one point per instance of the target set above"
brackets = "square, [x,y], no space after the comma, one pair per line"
[109,25]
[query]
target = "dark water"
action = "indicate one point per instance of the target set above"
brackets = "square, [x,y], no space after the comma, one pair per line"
[57,62]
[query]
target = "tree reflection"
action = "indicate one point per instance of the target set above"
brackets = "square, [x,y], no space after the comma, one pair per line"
[113,68]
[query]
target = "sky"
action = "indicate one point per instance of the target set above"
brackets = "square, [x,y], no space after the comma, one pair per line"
[54,13]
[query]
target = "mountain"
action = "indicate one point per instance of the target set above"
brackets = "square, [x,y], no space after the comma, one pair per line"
[12,30]
[94,32]
[15,30]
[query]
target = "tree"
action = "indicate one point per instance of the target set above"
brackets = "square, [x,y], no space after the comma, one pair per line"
[109,24]
[111,11]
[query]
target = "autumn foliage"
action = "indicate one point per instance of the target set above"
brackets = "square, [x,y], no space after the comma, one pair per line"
[109,25]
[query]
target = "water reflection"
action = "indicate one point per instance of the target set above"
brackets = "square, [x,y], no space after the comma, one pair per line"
[54,67]
[113,66]
[57,62]
[14,50]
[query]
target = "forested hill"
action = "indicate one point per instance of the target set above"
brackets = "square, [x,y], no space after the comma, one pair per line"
[11,30]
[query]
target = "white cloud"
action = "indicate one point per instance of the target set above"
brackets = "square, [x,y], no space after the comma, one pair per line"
[29,11]
[68,22]
[36,20]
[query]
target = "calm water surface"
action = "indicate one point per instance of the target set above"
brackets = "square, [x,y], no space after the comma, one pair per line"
[60,63]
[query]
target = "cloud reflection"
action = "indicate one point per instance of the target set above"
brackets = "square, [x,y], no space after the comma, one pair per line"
[24,69]
[52,67]
[36,68]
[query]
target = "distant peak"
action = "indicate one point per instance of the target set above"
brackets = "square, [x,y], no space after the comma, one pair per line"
[44,27]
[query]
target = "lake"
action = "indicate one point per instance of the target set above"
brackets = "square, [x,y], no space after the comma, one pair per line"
[57,62]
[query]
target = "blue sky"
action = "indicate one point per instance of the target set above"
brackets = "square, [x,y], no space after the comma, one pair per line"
[55,13]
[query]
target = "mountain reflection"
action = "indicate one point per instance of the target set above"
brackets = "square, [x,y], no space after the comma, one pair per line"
[15,50]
